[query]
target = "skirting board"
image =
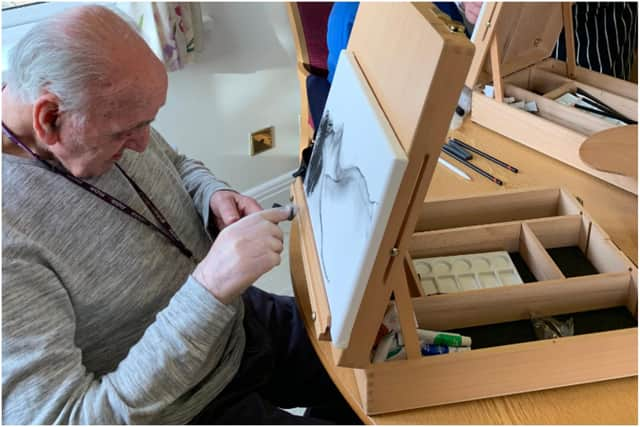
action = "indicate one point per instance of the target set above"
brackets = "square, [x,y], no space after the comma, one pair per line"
[276,190]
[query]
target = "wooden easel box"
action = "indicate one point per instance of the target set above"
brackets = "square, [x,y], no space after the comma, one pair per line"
[529,222]
[526,33]
[419,107]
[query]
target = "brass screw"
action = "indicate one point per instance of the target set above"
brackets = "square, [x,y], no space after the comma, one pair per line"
[313,316]
[537,42]
[395,252]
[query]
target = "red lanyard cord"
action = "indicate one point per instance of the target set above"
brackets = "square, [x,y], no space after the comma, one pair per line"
[166,230]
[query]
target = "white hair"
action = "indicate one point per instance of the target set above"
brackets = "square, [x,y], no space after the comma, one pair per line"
[64,58]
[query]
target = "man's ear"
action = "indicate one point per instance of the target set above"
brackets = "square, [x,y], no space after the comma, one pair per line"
[45,118]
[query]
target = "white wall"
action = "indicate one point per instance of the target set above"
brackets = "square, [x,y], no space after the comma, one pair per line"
[244,80]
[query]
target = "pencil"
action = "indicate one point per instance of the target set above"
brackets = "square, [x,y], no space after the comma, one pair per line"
[485,155]
[454,169]
[471,165]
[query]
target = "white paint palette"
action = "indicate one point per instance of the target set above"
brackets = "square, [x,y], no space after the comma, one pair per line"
[458,273]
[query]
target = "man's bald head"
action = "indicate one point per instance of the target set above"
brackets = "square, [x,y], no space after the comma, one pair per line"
[81,55]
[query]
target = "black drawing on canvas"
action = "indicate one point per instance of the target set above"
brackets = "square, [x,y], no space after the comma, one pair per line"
[345,209]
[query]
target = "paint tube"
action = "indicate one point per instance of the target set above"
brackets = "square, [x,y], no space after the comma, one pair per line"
[397,354]
[390,348]
[431,349]
[396,350]
[384,346]
[443,338]
[391,321]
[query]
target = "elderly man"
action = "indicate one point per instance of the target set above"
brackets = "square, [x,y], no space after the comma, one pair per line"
[117,308]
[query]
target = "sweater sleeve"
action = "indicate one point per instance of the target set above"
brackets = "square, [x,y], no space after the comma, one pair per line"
[43,376]
[198,180]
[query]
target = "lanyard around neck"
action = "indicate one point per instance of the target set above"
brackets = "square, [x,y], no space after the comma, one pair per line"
[166,229]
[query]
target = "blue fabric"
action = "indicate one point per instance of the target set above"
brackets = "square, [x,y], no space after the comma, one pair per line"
[450,9]
[339,26]
[340,23]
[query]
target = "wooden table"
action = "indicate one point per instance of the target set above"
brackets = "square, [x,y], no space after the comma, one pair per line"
[608,402]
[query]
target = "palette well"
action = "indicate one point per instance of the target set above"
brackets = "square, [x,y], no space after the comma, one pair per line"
[440,275]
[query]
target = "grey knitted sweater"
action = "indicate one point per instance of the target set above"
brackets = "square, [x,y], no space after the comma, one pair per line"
[101,321]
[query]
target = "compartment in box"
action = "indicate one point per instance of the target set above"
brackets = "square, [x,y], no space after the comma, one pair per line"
[626,89]
[491,223]
[568,264]
[571,261]
[519,331]
[441,214]
[542,82]
[514,236]
[603,301]
[438,275]
[523,269]
[578,120]
[544,87]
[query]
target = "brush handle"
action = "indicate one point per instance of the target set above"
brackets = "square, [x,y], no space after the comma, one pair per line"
[471,165]
[604,113]
[612,113]
[485,155]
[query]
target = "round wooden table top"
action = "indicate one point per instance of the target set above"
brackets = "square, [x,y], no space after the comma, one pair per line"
[615,210]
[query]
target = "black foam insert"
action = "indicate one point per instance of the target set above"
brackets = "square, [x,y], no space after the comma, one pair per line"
[572,262]
[586,322]
[523,269]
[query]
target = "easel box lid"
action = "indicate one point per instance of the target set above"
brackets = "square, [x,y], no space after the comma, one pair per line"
[527,33]
[415,65]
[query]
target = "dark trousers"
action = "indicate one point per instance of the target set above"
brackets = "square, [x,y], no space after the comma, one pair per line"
[279,369]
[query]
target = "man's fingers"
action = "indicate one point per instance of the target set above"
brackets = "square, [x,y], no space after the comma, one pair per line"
[277,215]
[276,245]
[250,206]
[228,212]
[220,225]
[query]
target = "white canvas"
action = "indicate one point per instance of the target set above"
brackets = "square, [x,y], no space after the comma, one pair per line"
[351,183]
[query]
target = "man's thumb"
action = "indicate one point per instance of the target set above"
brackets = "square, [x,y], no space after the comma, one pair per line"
[279,214]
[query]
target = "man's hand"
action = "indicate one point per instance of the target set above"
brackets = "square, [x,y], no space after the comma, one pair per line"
[472,10]
[243,252]
[229,206]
